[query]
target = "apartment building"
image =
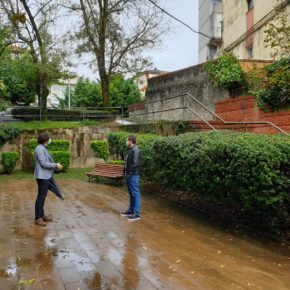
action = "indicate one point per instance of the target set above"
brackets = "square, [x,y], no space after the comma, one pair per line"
[210,24]
[244,25]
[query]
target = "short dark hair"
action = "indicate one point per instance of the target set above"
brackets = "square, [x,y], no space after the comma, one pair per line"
[42,138]
[132,138]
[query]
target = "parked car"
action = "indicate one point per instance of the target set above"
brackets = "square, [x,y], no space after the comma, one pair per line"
[6,116]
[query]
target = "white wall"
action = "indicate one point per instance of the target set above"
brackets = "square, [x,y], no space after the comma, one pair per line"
[210,17]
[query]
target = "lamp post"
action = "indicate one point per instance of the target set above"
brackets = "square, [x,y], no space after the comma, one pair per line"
[69,101]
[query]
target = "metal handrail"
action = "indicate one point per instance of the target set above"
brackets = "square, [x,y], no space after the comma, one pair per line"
[210,111]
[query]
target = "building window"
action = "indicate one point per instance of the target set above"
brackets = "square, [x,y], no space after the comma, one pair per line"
[212,52]
[250,52]
[250,4]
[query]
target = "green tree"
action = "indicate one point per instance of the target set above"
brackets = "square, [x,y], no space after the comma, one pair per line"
[278,36]
[117,33]
[17,73]
[271,85]
[123,92]
[31,23]
[89,93]
[86,94]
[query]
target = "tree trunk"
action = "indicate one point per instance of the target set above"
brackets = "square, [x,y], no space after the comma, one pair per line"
[105,91]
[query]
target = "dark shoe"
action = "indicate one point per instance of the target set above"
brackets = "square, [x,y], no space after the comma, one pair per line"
[40,222]
[133,218]
[126,213]
[47,218]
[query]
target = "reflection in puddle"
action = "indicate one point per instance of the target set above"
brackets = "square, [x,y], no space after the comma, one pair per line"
[9,271]
[115,257]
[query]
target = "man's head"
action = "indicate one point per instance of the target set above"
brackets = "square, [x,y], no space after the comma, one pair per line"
[43,139]
[131,141]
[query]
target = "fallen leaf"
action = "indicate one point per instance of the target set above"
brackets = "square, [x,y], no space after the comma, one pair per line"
[104,258]
[27,282]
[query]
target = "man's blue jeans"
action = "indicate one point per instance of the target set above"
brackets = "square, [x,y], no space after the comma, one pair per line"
[134,192]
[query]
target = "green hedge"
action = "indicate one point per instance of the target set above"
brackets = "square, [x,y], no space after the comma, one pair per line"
[101,148]
[7,133]
[56,145]
[9,161]
[244,171]
[62,157]
[245,174]
[59,150]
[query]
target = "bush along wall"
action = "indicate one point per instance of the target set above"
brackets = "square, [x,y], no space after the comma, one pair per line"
[249,174]
[7,133]
[59,150]
[245,177]
[101,148]
[9,161]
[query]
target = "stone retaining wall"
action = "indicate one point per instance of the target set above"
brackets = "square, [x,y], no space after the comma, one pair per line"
[81,153]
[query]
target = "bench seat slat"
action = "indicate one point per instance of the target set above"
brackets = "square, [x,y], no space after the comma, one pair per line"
[111,171]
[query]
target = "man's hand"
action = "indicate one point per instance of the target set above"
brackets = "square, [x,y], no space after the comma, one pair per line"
[59,166]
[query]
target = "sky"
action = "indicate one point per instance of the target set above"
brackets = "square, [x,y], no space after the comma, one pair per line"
[180,46]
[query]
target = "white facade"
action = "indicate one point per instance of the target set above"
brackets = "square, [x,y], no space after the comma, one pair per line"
[57,91]
[210,23]
[141,79]
[245,23]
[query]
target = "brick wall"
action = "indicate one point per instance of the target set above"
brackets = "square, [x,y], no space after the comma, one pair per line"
[249,64]
[244,109]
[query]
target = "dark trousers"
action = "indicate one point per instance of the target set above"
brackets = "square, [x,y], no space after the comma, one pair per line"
[43,186]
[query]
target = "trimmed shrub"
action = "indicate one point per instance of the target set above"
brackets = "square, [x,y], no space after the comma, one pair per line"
[62,157]
[56,145]
[225,72]
[101,148]
[59,150]
[246,172]
[8,133]
[9,161]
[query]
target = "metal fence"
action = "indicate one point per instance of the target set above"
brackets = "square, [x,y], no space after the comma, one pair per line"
[62,114]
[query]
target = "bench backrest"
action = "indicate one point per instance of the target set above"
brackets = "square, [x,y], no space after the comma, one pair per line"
[109,167]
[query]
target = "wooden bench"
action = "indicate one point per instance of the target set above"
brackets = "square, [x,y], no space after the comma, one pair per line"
[111,171]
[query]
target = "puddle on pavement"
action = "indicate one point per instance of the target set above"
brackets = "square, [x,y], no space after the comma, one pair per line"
[170,247]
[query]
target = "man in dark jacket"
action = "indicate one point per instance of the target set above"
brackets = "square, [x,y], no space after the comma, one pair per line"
[132,175]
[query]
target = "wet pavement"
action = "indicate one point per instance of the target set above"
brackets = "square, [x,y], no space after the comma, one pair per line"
[89,246]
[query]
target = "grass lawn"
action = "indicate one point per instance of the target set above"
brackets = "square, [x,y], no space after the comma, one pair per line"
[44,125]
[73,173]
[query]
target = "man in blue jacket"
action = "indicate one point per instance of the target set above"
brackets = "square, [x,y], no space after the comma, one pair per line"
[132,175]
[43,173]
